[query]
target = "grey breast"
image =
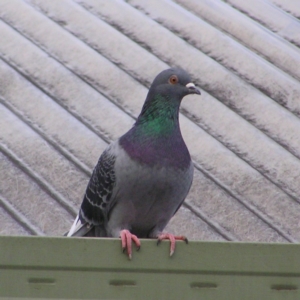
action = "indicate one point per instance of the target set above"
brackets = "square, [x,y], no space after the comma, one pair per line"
[145,198]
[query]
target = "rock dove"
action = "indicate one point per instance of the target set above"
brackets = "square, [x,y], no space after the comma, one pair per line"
[141,180]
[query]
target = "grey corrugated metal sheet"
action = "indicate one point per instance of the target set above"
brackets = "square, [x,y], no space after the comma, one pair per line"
[74,75]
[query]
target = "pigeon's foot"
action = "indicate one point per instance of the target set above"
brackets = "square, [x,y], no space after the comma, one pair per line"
[172,238]
[127,237]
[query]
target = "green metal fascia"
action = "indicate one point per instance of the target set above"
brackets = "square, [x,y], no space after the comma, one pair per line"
[89,268]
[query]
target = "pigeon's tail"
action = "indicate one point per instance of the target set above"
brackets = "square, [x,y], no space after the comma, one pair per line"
[80,229]
[75,227]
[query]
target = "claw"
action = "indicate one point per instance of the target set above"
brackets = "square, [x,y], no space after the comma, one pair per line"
[126,240]
[172,238]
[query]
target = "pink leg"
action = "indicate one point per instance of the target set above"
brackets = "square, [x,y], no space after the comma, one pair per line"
[126,238]
[172,238]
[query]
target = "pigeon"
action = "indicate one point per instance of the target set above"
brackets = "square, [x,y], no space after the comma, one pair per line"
[142,179]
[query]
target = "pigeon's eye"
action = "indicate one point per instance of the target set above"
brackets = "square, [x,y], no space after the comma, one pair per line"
[173,79]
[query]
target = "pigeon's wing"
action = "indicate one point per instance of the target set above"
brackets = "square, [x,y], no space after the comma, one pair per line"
[97,199]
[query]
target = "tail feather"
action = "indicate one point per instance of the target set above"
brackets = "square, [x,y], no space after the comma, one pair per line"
[78,228]
[85,229]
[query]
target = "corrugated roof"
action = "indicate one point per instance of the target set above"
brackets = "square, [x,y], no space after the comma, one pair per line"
[74,75]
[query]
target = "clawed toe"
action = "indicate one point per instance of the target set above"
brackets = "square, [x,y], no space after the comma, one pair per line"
[173,239]
[126,239]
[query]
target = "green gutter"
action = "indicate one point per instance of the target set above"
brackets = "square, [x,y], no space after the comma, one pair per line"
[82,268]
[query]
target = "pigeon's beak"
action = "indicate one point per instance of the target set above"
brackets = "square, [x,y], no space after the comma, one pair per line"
[192,89]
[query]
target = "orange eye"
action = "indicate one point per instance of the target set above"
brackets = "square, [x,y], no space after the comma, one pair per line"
[173,79]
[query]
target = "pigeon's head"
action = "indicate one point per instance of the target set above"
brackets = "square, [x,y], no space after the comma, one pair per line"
[165,95]
[173,83]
